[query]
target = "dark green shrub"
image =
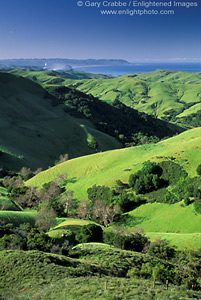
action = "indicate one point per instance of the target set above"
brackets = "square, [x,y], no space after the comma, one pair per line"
[157,195]
[162,250]
[100,193]
[151,168]
[171,197]
[147,179]
[37,240]
[128,201]
[187,201]
[198,170]
[197,206]
[13,241]
[132,180]
[172,172]
[6,229]
[17,191]
[90,233]
[188,187]
[134,242]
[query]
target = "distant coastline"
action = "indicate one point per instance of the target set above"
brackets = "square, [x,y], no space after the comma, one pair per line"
[115,67]
[118,70]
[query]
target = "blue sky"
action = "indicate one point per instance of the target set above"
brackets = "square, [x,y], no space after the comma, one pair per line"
[62,29]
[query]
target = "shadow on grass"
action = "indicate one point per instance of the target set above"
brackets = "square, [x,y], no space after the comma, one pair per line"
[130,221]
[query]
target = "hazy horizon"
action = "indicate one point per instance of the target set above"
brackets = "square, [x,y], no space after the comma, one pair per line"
[173,60]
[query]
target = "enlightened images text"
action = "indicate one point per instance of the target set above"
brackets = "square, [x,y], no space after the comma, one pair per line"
[135,3]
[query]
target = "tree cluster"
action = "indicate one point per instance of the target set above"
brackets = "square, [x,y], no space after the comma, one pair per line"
[147,179]
[105,205]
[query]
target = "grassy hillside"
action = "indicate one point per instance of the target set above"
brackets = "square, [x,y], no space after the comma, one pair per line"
[17,217]
[105,168]
[35,130]
[170,95]
[164,94]
[98,273]
[54,77]
[117,120]
[37,127]
[158,220]
[176,223]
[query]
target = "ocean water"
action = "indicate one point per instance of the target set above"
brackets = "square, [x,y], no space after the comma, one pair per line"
[140,68]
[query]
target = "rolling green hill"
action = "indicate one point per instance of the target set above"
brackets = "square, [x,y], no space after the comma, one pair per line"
[158,219]
[17,217]
[54,77]
[169,95]
[117,120]
[107,167]
[37,127]
[35,130]
[176,223]
[97,273]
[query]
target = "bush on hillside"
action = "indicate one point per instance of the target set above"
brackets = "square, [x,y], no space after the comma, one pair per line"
[187,201]
[37,240]
[102,193]
[6,229]
[129,201]
[90,233]
[172,172]
[197,206]
[134,242]
[188,187]
[147,179]
[161,249]
[198,170]
[45,218]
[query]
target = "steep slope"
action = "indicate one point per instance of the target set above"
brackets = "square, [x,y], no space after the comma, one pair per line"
[35,130]
[118,120]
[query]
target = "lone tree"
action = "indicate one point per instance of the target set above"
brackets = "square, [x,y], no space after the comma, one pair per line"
[45,218]
[68,202]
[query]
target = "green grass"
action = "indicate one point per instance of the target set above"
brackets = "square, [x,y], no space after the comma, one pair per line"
[176,223]
[18,217]
[67,227]
[107,167]
[36,275]
[92,245]
[84,288]
[5,202]
[160,217]
[182,241]
[157,93]
[73,222]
